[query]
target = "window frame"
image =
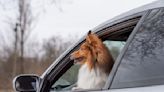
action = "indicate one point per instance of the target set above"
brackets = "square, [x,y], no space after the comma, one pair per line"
[58,68]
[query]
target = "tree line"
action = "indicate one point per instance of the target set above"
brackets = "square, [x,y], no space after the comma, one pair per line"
[36,61]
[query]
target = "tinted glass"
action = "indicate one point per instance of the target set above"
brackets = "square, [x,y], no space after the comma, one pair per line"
[143,62]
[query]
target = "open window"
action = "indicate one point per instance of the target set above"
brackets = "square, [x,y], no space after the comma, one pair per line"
[64,77]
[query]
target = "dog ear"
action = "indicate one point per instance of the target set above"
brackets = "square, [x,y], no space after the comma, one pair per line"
[92,38]
[89,32]
[88,39]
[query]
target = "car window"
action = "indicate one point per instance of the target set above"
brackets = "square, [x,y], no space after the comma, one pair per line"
[143,62]
[68,80]
[114,37]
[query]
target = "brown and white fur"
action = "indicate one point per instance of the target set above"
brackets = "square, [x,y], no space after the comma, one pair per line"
[96,63]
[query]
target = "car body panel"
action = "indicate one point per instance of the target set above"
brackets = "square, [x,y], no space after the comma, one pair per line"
[158,88]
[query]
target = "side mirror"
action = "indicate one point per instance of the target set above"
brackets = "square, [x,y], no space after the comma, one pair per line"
[26,83]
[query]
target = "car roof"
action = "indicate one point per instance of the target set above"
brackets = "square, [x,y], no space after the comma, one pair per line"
[153,5]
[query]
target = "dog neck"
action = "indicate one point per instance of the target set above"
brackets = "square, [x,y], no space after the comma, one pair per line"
[88,79]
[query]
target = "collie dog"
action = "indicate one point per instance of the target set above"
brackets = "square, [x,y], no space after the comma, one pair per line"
[96,63]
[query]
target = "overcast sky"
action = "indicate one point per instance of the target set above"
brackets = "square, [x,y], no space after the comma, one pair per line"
[76,17]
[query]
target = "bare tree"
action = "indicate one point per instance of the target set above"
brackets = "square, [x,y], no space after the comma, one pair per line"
[51,48]
[19,24]
[54,47]
[22,31]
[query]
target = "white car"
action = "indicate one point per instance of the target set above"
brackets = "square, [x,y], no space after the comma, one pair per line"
[137,36]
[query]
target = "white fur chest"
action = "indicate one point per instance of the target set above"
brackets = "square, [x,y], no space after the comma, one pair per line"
[94,79]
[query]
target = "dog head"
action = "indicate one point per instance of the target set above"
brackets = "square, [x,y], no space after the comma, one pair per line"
[82,55]
[87,52]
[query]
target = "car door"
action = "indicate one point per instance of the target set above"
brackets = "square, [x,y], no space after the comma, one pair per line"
[140,67]
[114,35]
